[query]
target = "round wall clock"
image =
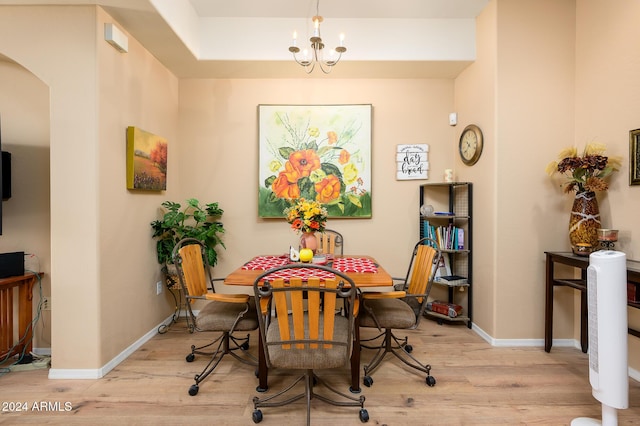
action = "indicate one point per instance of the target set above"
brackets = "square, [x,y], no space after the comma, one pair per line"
[470,146]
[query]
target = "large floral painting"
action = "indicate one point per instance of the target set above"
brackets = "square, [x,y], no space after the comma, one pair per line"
[319,152]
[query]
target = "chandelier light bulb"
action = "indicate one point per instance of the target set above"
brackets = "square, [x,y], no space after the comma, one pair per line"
[315,55]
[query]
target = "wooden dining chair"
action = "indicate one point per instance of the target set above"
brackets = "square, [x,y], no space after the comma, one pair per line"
[331,242]
[304,334]
[222,313]
[400,309]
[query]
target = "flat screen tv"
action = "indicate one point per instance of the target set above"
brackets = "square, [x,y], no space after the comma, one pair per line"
[1,180]
[5,177]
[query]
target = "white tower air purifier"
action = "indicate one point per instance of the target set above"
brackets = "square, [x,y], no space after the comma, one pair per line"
[608,359]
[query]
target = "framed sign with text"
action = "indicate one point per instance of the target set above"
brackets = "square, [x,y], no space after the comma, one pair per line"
[412,162]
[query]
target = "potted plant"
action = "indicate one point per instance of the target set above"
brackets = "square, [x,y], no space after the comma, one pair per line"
[193,221]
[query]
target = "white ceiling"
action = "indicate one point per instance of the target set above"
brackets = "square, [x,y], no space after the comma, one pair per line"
[415,9]
[249,38]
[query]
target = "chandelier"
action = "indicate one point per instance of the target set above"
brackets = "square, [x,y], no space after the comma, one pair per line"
[315,54]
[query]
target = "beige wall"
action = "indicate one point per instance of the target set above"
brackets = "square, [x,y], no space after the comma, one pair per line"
[24,115]
[102,262]
[534,112]
[543,80]
[133,90]
[475,102]
[607,107]
[219,134]
[65,36]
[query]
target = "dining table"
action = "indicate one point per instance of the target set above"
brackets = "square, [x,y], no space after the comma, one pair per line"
[365,272]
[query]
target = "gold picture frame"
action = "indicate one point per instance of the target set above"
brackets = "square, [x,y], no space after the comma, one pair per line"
[146,160]
[634,157]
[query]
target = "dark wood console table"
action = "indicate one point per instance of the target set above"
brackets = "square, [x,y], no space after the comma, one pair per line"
[25,296]
[580,284]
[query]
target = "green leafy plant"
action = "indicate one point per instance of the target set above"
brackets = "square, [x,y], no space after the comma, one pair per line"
[192,221]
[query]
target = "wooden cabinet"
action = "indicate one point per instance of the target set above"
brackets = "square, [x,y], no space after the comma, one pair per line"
[24,284]
[446,215]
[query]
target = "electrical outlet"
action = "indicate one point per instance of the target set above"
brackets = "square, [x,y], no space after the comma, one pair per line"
[46,303]
[159,287]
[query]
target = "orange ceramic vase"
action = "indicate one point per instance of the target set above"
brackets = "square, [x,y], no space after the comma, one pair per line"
[309,240]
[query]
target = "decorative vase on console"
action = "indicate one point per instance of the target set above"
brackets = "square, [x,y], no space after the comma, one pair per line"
[585,174]
[584,221]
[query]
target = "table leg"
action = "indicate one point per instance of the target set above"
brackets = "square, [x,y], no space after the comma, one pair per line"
[355,358]
[548,307]
[262,367]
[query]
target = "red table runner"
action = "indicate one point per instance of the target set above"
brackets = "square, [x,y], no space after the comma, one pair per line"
[355,264]
[303,273]
[342,264]
[266,262]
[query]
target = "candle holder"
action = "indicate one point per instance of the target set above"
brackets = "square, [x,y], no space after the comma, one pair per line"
[607,238]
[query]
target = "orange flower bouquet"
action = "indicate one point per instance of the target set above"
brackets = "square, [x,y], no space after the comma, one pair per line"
[306,216]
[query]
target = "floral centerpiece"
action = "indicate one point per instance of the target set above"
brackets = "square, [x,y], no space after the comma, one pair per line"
[306,216]
[585,174]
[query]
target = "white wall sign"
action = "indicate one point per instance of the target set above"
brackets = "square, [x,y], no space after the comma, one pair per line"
[412,162]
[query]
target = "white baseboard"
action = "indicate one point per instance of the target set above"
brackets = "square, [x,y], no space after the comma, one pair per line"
[97,373]
[567,343]
[62,373]
[42,351]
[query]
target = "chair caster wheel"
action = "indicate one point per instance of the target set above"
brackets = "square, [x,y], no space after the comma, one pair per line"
[367,381]
[431,381]
[364,415]
[257,416]
[193,390]
[190,357]
[408,348]
[244,346]
[256,373]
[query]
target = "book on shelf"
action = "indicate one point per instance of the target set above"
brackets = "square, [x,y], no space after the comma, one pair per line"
[451,279]
[443,267]
[460,239]
[444,308]
[448,237]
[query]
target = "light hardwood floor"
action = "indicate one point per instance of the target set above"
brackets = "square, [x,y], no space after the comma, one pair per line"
[476,385]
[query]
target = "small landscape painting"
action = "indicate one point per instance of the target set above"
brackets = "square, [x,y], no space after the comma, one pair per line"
[146,160]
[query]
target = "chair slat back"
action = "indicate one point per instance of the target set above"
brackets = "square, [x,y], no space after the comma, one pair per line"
[304,309]
[331,242]
[193,269]
[423,270]
[293,308]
